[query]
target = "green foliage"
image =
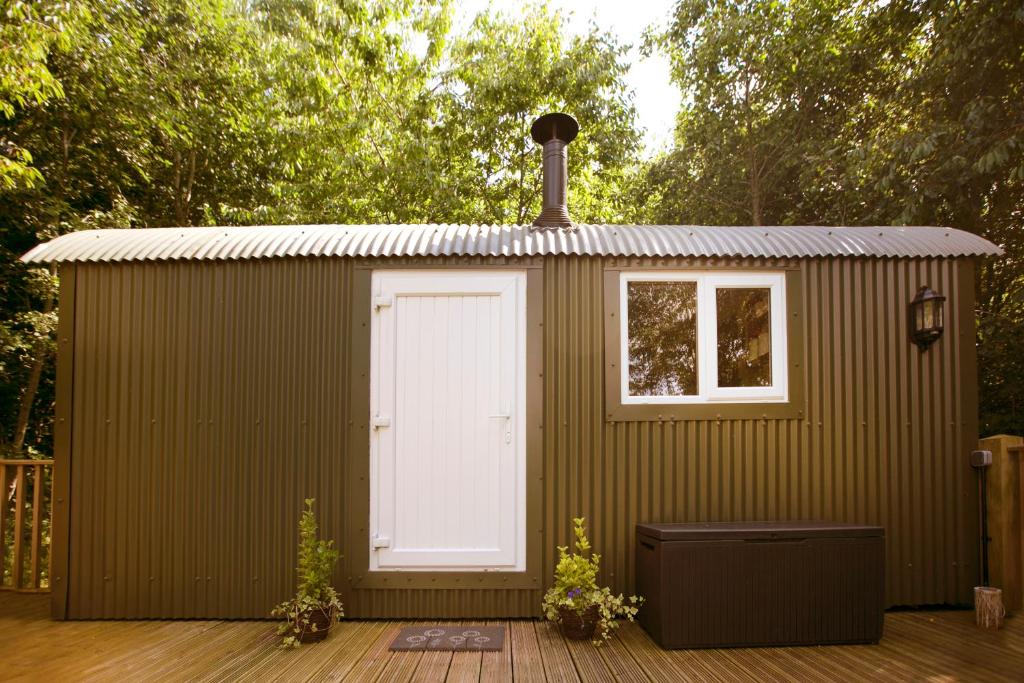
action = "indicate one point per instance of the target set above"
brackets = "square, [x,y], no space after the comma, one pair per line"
[576,587]
[315,593]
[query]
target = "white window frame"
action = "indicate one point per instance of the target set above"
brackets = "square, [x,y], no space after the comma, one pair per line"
[708,390]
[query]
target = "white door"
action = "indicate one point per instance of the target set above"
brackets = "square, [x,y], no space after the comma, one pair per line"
[447,446]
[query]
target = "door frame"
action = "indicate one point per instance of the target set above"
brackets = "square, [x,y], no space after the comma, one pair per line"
[356,502]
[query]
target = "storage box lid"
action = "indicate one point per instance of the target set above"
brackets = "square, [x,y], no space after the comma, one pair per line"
[713,531]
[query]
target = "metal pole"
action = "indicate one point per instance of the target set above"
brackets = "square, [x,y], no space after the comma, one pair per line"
[984,526]
[981,461]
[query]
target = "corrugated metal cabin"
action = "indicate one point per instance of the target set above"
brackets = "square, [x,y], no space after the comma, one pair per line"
[453,394]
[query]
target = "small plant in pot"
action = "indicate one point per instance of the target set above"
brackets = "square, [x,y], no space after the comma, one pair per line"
[310,615]
[581,609]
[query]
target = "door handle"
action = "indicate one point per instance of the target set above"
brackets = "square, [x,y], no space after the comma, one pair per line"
[507,417]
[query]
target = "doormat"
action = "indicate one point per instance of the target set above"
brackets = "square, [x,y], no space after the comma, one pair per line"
[453,638]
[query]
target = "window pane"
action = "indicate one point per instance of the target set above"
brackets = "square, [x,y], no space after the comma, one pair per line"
[662,338]
[744,337]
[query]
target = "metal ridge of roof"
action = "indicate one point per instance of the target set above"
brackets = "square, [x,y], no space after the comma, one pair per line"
[276,241]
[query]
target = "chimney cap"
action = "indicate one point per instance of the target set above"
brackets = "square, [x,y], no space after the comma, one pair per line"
[555,125]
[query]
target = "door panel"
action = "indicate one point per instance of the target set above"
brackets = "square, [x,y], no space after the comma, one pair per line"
[447,453]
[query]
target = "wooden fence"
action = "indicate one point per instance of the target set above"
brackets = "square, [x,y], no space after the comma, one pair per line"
[25,524]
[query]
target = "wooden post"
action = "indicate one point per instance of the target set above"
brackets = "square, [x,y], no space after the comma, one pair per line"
[19,529]
[1006,517]
[37,521]
[5,481]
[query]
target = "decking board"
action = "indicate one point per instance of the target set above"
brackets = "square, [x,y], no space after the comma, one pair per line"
[925,645]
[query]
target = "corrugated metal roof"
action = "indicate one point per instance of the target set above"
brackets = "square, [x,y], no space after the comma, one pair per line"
[272,241]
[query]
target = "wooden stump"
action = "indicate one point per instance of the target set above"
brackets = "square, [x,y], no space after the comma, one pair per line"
[988,607]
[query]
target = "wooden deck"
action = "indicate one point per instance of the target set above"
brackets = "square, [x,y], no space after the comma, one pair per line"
[934,646]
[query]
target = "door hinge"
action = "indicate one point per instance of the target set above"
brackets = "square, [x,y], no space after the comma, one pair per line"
[379,542]
[380,302]
[380,422]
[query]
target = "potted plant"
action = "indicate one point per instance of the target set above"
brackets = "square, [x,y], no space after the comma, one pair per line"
[576,603]
[309,616]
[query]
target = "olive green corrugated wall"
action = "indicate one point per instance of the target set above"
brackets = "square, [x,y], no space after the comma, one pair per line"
[884,441]
[207,403]
[210,397]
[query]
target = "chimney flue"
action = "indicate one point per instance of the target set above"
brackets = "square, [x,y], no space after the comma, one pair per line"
[554,131]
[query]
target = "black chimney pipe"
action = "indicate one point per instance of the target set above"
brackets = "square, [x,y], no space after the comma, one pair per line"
[555,131]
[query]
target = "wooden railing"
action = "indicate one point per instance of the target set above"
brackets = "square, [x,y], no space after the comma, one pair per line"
[24,523]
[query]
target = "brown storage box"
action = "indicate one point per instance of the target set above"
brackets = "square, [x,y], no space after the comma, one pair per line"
[761,583]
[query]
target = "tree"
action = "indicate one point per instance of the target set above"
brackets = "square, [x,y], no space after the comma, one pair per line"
[826,112]
[951,152]
[498,79]
[205,112]
[772,92]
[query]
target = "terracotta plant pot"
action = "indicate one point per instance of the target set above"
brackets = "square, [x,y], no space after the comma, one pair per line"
[324,621]
[577,626]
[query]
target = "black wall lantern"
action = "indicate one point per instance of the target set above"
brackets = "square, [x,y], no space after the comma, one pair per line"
[926,317]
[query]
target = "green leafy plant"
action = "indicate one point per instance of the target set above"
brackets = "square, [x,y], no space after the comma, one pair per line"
[316,601]
[576,590]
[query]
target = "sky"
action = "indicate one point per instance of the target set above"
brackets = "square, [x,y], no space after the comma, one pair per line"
[655,98]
